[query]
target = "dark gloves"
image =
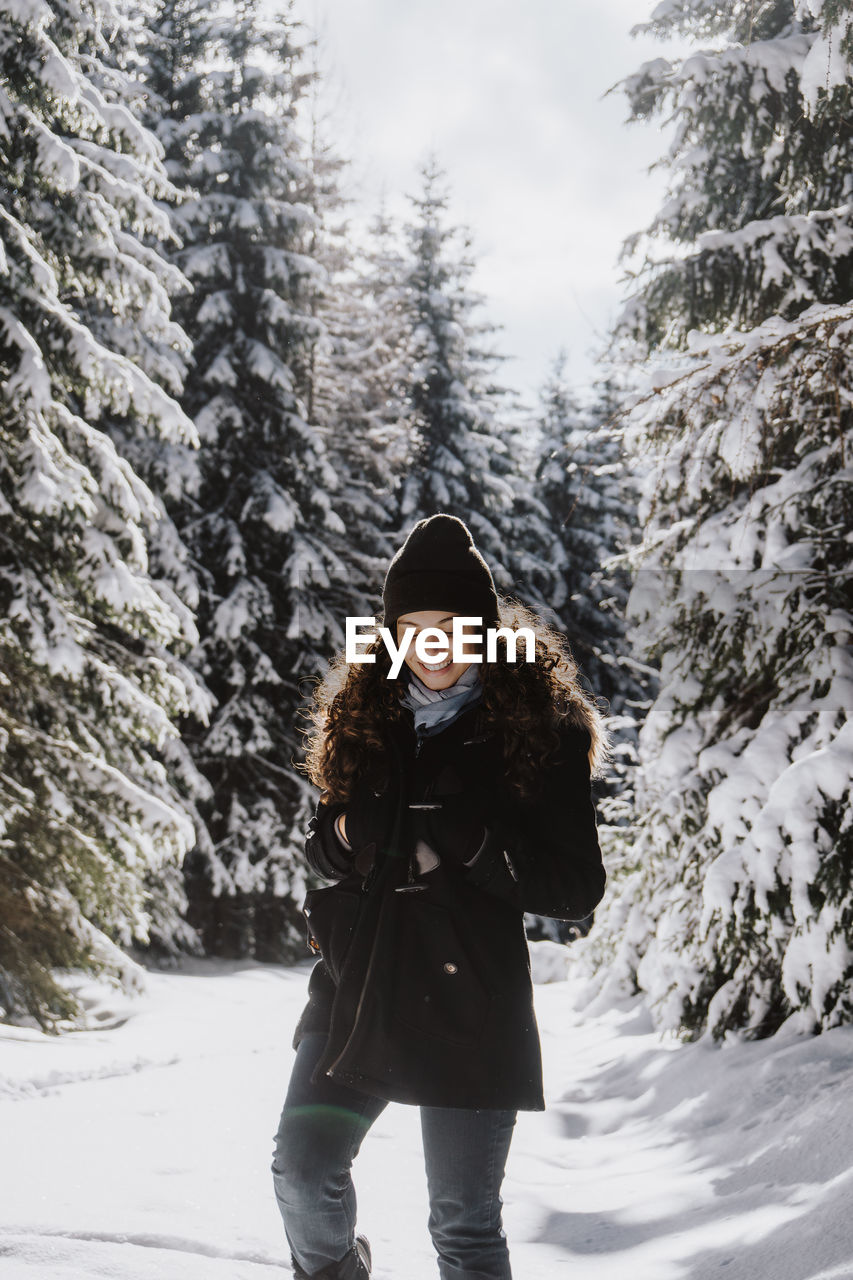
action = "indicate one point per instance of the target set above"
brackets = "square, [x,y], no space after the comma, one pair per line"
[324,852]
[360,830]
[472,826]
[457,830]
[359,820]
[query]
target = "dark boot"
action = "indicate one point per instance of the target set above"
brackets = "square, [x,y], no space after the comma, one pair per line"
[354,1265]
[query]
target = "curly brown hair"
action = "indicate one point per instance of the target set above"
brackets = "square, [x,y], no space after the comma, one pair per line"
[523,701]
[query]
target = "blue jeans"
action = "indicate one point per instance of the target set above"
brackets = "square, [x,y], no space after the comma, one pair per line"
[319,1135]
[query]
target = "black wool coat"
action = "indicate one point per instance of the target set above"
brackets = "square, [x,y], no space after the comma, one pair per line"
[424,983]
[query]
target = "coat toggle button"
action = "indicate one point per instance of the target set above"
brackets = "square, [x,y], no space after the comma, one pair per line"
[450,967]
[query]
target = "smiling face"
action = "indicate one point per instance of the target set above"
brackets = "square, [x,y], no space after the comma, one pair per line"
[443,672]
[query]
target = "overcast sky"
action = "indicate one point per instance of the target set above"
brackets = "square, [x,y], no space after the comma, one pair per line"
[541,169]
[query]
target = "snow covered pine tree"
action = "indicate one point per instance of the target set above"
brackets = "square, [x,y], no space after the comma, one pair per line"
[261,514]
[87,684]
[459,460]
[354,367]
[582,512]
[739,916]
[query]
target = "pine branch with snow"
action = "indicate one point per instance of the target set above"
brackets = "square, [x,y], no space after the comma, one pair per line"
[91,679]
[734,909]
[260,514]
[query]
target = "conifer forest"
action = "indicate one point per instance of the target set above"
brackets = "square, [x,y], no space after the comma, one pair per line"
[222,412]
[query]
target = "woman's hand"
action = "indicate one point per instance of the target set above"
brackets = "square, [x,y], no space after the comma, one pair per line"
[357,821]
[341,826]
[356,834]
[456,830]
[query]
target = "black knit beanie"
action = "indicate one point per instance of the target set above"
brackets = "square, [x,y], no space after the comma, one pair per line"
[438,567]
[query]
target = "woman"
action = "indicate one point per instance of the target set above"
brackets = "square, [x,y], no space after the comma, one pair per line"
[454,799]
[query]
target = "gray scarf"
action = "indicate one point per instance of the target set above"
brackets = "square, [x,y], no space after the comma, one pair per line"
[435,709]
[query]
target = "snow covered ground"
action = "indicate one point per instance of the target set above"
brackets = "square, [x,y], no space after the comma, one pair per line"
[141,1148]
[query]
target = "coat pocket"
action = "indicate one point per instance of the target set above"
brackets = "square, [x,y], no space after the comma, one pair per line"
[437,987]
[331,914]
